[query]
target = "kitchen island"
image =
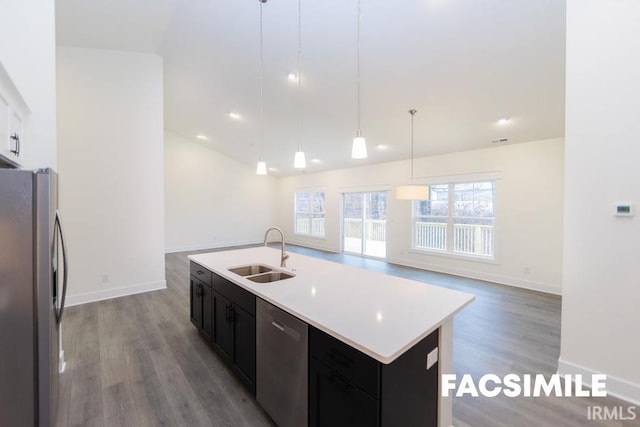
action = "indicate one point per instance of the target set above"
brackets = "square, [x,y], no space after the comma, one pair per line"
[396,333]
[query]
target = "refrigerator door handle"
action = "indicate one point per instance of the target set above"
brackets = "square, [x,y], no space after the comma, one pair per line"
[58,226]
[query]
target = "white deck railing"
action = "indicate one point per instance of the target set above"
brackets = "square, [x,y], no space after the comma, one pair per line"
[375,229]
[467,238]
[374,243]
[314,227]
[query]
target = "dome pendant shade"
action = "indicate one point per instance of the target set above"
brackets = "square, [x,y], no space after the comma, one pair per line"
[359,149]
[412,192]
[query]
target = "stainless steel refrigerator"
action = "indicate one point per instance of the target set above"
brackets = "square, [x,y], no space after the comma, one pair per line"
[33,263]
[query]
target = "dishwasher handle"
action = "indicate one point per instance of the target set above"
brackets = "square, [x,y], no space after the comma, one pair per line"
[278,325]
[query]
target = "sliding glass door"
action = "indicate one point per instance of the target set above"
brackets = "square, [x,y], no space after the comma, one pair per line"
[364,223]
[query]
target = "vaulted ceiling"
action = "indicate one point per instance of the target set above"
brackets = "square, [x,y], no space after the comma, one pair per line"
[463,64]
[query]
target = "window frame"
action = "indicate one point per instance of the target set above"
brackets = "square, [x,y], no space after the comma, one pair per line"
[311,195]
[449,252]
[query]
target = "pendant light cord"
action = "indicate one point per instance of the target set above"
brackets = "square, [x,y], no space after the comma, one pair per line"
[299,73]
[358,68]
[412,112]
[261,81]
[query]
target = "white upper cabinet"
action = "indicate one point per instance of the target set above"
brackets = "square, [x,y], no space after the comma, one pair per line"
[13,110]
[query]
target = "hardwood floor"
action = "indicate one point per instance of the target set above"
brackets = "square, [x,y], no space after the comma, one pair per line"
[138,361]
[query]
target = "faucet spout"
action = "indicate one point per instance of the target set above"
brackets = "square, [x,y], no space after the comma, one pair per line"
[284,255]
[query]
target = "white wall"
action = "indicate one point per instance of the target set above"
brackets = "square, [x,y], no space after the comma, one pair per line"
[28,53]
[110,113]
[212,200]
[529,207]
[601,303]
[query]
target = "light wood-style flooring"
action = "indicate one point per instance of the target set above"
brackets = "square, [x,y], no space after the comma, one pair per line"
[138,361]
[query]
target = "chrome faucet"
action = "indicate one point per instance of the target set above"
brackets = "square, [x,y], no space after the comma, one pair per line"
[284,256]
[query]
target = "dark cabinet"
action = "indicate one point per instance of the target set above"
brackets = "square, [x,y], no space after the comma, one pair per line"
[196,303]
[234,337]
[244,349]
[222,326]
[347,387]
[225,315]
[336,402]
[201,309]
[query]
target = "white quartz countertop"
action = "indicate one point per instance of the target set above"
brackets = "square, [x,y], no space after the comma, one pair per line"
[380,315]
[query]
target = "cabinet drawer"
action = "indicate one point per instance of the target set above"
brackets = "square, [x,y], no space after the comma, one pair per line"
[362,370]
[235,293]
[201,273]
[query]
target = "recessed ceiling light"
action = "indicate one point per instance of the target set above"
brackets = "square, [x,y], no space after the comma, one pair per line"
[273,170]
[202,137]
[503,121]
[292,76]
[316,161]
[382,147]
[234,115]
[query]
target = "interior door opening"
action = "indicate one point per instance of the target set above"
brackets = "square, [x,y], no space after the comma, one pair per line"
[364,224]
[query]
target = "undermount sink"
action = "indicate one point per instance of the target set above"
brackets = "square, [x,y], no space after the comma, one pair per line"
[268,277]
[260,273]
[250,270]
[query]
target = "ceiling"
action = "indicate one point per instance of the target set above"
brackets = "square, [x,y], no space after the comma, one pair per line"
[463,64]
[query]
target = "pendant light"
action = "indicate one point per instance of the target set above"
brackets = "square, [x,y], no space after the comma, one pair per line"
[299,161]
[359,148]
[261,169]
[412,191]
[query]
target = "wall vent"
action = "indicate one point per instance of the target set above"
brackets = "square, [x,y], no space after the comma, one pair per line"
[498,141]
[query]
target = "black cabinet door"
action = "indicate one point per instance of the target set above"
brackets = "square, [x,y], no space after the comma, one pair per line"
[335,402]
[244,355]
[206,295]
[222,325]
[196,303]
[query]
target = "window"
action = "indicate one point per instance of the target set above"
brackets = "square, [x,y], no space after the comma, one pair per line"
[458,218]
[309,213]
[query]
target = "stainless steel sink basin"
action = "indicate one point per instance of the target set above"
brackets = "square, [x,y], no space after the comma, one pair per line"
[250,270]
[260,273]
[269,277]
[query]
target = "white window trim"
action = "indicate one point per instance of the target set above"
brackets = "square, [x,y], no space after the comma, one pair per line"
[295,213]
[457,255]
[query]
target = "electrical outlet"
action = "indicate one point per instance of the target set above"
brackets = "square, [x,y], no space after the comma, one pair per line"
[104,277]
[526,270]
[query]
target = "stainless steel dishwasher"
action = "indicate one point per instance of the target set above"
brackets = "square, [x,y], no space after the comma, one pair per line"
[282,364]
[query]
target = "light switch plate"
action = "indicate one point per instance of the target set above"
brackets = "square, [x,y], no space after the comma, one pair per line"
[432,358]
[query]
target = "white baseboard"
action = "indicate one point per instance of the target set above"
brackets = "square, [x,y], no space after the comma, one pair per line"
[495,278]
[210,246]
[616,387]
[72,300]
